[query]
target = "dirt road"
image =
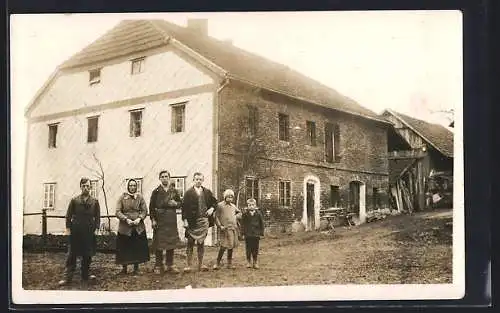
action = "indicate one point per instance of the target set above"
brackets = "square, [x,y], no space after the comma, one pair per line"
[400,249]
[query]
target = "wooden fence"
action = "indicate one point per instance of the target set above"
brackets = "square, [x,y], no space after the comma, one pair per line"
[45,218]
[45,232]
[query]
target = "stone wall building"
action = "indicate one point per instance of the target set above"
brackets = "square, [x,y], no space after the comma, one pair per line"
[151,95]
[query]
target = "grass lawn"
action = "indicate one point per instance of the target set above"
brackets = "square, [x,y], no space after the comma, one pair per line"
[401,249]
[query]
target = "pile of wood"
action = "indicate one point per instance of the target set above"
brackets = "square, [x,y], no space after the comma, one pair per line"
[409,188]
[378,215]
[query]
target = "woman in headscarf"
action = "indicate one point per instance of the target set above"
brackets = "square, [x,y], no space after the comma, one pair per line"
[131,242]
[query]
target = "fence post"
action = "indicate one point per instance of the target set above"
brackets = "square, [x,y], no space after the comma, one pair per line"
[44,227]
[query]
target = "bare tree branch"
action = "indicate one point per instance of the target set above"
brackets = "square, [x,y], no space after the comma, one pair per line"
[93,171]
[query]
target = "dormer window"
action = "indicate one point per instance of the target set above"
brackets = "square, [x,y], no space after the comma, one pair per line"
[95,76]
[138,66]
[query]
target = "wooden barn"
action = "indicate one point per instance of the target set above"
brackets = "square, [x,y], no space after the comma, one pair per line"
[420,163]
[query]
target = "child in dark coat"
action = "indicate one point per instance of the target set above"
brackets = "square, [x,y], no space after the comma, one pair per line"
[252,224]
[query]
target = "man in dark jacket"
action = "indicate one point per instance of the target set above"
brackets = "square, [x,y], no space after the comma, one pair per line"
[82,221]
[198,207]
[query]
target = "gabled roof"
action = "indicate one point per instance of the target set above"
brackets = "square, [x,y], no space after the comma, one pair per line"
[434,134]
[132,36]
[125,38]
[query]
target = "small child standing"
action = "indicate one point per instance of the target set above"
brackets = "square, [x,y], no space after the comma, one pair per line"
[252,223]
[226,216]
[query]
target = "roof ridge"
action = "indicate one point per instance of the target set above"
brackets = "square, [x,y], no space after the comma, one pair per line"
[345,100]
[419,119]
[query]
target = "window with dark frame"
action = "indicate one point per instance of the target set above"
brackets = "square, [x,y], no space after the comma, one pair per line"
[95,76]
[252,188]
[252,120]
[284,129]
[329,143]
[53,135]
[137,65]
[334,196]
[332,143]
[179,184]
[94,187]
[49,196]
[336,142]
[92,128]
[136,123]
[178,117]
[285,193]
[311,133]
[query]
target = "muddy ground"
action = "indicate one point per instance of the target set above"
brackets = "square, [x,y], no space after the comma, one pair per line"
[401,249]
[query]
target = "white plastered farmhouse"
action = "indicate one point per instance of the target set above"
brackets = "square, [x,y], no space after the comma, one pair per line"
[135,101]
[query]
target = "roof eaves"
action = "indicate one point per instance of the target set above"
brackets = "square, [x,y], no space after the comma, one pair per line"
[41,91]
[420,134]
[307,100]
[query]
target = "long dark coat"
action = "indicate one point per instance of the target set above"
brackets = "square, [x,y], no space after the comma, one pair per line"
[82,219]
[166,234]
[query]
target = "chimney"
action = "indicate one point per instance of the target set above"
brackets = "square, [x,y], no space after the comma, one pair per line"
[198,25]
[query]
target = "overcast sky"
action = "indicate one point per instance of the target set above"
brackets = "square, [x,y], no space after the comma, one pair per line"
[410,61]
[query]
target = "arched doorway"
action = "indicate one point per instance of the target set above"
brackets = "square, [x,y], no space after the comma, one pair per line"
[310,212]
[357,196]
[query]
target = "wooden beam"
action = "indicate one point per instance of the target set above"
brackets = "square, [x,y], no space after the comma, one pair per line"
[406,154]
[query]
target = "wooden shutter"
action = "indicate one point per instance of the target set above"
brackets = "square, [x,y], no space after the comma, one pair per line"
[336,141]
[328,143]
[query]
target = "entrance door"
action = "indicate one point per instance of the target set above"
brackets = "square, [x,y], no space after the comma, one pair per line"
[354,196]
[310,206]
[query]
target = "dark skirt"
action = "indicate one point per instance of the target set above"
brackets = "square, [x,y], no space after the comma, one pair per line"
[132,249]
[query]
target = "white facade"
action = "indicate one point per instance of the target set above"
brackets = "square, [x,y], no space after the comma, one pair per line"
[167,79]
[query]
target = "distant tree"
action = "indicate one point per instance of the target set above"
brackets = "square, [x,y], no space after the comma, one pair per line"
[100,175]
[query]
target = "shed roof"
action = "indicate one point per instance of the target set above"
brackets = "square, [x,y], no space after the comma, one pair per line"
[434,134]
